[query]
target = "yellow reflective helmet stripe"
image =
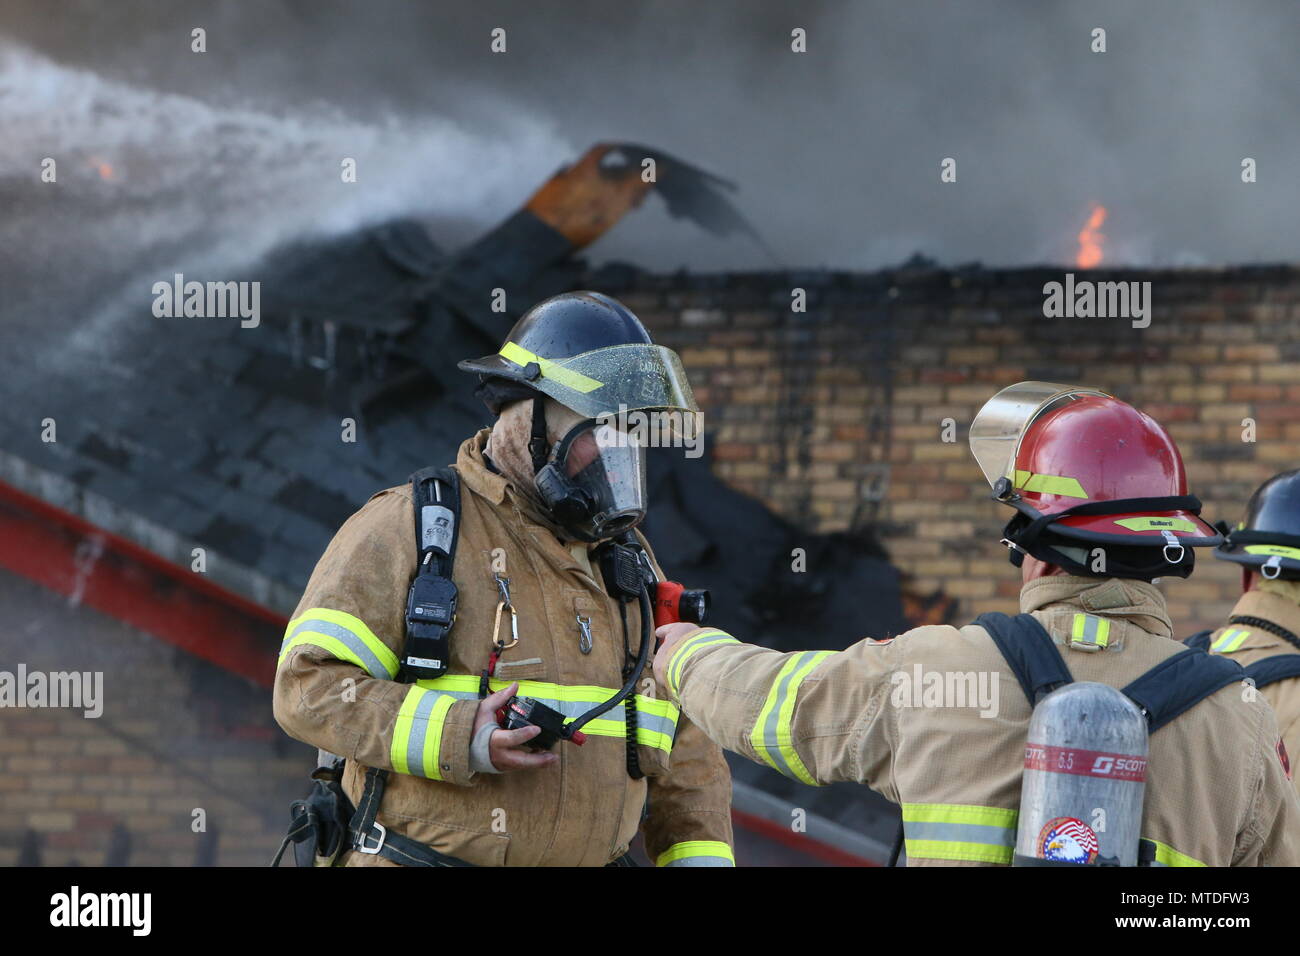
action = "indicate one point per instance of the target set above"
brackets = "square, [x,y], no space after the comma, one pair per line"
[1168,856]
[1050,484]
[1230,640]
[950,831]
[555,372]
[673,672]
[771,737]
[417,734]
[1090,630]
[1281,550]
[1148,523]
[697,853]
[345,637]
[656,719]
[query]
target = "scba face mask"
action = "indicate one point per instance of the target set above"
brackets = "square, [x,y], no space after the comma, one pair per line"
[594,481]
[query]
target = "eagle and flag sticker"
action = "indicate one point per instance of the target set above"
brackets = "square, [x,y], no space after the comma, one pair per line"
[1067,840]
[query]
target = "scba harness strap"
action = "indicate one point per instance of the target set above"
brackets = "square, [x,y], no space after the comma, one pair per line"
[371,837]
[1169,689]
[430,614]
[431,601]
[1164,692]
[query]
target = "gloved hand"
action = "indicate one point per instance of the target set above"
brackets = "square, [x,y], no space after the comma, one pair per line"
[506,747]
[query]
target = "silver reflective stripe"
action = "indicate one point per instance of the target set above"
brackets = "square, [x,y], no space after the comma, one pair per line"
[576,708]
[1090,627]
[419,725]
[700,861]
[354,643]
[960,833]
[656,723]
[771,740]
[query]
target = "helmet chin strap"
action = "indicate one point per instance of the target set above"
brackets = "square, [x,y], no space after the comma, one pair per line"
[538,447]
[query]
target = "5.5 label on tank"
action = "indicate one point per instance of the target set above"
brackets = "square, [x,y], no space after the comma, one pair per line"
[1087,763]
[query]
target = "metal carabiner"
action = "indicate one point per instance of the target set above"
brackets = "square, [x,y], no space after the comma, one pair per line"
[514,627]
[584,633]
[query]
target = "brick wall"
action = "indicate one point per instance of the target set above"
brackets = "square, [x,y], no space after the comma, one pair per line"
[833,416]
[176,734]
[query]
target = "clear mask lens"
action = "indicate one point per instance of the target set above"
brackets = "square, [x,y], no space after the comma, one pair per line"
[608,468]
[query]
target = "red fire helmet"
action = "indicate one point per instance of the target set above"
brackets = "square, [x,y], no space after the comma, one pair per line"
[1081,464]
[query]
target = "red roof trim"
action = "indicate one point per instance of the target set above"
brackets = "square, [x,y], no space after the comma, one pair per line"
[128,582]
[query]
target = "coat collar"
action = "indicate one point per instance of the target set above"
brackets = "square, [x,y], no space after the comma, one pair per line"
[1141,603]
[518,510]
[1271,607]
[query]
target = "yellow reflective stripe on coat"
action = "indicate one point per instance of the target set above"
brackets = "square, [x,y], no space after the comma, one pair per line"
[1090,630]
[771,736]
[343,636]
[656,719]
[673,672]
[1168,856]
[952,831]
[697,853]
[417,734]
[1230,640]
[555,372]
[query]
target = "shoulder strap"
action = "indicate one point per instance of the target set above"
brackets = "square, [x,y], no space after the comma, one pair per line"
[1179,683]
[1030,652]
[431,601]
[1270,670]
[435,493]
[1200,640]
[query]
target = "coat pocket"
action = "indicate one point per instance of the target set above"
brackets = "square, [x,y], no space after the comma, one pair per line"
[527,668]
[481,847]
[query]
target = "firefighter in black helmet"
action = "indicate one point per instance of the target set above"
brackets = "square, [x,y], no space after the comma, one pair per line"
[537,623]
[1263,632]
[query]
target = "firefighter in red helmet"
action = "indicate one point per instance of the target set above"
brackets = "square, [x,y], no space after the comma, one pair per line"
[936,718]
[1096,484]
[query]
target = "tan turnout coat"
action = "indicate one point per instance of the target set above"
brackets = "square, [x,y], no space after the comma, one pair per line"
[1216,791]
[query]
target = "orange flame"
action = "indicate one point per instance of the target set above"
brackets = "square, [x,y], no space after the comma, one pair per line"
[104,169]
[1091,239]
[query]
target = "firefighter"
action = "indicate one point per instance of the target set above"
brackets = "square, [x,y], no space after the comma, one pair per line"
[434,777]
[1262,632]
[1101,511]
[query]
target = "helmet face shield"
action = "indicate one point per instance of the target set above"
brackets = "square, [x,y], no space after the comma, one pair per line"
[605,382]
[595,482]
[996,431]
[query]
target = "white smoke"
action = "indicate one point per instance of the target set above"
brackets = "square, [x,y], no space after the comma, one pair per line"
[152,183]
